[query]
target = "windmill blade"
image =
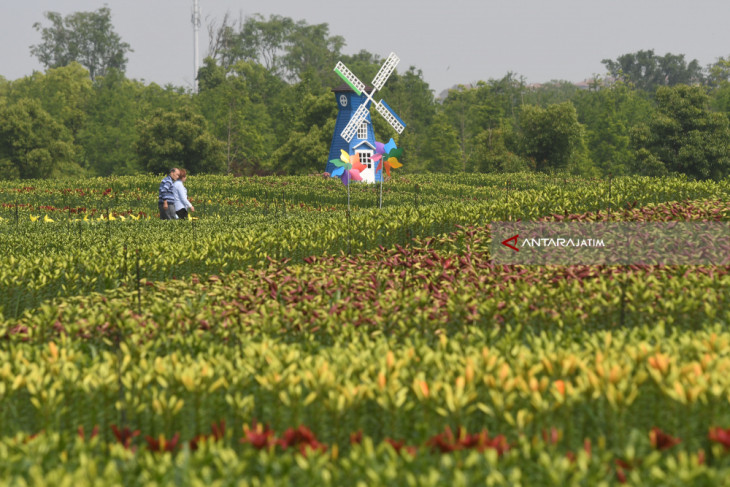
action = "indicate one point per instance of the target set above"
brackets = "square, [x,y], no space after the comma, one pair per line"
[385,71]
[360,114]
[349,78]
[390,116]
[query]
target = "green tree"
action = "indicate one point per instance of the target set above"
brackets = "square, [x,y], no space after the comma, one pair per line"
[720,98]
[248,109]
[556,91]
[718,72]
[608,113]
[459,107]
[492,152]
[4,90]
[683,136]
[310,48]
[442,146]
[178,139]
[33,144]
[287,49]
[63,92]
[718,79]
[474,110]
[412,99]
[85,37]
[251,39]
[647,71]
[308,145]
[552,137]
[110,133]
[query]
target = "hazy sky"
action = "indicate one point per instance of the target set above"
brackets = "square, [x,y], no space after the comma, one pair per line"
[451,41]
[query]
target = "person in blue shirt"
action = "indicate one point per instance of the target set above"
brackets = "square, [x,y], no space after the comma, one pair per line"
[166,200]
[181,196]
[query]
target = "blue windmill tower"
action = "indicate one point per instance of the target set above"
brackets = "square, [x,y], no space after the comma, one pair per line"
[354,129]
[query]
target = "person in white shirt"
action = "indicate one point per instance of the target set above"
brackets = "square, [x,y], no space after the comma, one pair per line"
[181,196]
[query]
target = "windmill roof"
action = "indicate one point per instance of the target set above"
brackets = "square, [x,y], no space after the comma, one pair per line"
[364,142]
[346,87]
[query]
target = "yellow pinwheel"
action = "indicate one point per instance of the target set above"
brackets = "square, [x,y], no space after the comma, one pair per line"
[348,167]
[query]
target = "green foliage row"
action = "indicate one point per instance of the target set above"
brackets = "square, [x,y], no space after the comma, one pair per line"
[529,463]
[316,344]
[69,256]
[277,308]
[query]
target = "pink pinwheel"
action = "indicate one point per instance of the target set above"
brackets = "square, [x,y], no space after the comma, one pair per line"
[348,167]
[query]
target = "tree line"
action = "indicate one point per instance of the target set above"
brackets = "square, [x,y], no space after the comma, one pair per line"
[265,106]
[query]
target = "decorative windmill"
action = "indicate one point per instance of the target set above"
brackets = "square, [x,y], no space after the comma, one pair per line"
[353,129]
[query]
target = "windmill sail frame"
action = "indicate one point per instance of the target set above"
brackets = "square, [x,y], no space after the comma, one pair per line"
[359,87]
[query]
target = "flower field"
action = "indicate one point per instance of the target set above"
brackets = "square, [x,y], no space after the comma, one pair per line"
[279,339]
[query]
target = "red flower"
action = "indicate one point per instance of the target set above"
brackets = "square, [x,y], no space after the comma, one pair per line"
[551,437]
[400,445]
[94,432]
[217,433]
[475,440]
[125,436]
[33,436]
[161,444]
[498,443]
[260,436]
[722,436]
[586,448]
[356,438]
[445,442]
[301,438]
[621,467]
[662,441]
[293,437]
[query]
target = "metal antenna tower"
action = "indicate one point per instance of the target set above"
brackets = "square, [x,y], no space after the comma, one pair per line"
[196,28]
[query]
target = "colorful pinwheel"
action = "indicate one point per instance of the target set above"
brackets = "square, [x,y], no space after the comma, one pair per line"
[348,167]
[387,155]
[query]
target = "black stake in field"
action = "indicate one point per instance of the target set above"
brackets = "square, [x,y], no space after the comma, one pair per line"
[610,177]
[139,291]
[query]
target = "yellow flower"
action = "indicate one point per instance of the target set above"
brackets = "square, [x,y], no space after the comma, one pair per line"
[47,219]
[34,218]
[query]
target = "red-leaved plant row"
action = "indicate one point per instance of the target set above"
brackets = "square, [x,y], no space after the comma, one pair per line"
[261,437]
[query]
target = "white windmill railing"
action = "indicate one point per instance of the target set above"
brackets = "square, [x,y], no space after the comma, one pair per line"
[381,107]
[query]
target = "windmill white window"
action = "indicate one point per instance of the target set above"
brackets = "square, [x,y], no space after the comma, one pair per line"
[366,158]
[362,131]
